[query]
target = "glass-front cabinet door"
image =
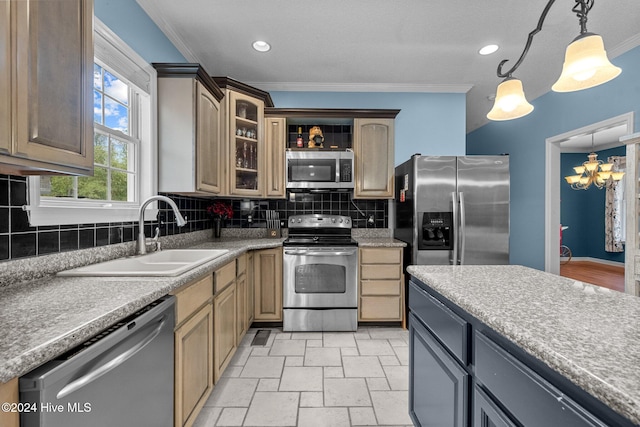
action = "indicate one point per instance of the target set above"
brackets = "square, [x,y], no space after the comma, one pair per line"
[246,118]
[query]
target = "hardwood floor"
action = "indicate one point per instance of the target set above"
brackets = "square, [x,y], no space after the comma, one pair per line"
[608,276]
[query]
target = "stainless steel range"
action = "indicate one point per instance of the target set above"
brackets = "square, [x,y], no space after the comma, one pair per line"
[320,274]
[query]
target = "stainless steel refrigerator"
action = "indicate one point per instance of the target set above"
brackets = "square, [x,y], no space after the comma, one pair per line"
[453,210]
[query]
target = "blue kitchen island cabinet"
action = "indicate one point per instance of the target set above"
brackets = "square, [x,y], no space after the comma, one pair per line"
[439,385]
[509,346]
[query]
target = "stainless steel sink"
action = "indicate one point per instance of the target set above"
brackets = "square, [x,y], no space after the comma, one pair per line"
[164,263]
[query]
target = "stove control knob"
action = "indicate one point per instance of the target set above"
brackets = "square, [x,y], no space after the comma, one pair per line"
[341,220]
[346,221]
[333,220]
[293,220]
[299,220]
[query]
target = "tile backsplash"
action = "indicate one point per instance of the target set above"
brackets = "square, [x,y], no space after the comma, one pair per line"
[20,240]
[364,213]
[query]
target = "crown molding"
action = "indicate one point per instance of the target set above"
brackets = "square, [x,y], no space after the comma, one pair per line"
[151,8]
[625,46]
[361,87]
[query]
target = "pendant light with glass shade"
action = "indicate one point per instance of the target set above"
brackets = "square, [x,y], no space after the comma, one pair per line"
[586,65]
[593,171]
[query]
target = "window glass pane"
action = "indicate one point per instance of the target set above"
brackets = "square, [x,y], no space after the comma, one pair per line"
[97,107]
[57,186]
[114,159]
[100,148]
[119,187]
[93,187]
[116,115]
[114,87]
[97,76]
[119,154]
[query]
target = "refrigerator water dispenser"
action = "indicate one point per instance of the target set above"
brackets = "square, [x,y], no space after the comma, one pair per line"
[436,231]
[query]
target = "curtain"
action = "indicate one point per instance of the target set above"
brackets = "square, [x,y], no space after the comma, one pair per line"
[614,209]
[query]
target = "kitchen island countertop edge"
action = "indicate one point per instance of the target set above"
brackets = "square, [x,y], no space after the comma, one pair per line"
[586,333]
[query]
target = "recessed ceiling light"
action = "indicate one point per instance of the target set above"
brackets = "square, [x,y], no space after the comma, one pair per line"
[261,46]
[488,49]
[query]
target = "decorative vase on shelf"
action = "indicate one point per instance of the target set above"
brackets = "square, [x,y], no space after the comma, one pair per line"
[217,226]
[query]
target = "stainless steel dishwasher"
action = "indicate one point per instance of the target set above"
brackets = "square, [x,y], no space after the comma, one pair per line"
[121,377]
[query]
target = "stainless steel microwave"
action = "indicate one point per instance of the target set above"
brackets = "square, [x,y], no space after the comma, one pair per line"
[319,170]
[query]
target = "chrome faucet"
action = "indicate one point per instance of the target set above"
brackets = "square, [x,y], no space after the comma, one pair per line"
[141,247]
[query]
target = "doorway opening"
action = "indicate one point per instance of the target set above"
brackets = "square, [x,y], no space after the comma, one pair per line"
[598,137]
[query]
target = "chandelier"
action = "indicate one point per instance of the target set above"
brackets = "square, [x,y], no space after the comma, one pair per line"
[586,65]
[593,171]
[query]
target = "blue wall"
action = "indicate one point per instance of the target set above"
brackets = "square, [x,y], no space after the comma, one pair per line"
[127,19]
[428,123]
[524,139]
[583,210]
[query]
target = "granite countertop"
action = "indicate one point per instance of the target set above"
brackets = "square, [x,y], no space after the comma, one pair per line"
[45,317]
[588,334]
[379,242]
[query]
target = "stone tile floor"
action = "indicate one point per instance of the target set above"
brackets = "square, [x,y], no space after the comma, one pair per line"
[314,379]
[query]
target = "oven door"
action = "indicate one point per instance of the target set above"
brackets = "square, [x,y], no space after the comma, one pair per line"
[320,277]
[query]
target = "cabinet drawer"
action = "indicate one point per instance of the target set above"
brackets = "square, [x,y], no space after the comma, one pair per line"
[528,397]
[380,271]
[380,256]
[191,297]
[224,276]
[380,308]
[447,326]
[241,264]
[380,287]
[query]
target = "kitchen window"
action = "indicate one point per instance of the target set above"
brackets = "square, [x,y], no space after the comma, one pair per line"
[124,145]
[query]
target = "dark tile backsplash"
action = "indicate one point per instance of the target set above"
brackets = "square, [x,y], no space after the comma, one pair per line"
[19,240]
[364,213]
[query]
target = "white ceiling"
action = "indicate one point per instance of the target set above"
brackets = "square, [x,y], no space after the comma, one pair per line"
[385,45]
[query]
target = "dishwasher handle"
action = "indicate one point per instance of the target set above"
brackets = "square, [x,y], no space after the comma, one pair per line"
[113,363]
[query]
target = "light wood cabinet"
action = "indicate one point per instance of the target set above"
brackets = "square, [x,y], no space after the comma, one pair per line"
[373,146]
[191,151]
[241,298]
[244,137]
[250,289]
[5,77]
[381,290]
[209,152]
[193,350]
[223,277]
[9,394]
[46,111]
[224,312]
[369,132]
[194,366]
[246,147]
[275,143]
[268,285]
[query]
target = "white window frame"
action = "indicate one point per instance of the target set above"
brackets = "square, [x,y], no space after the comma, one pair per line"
[117,56]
